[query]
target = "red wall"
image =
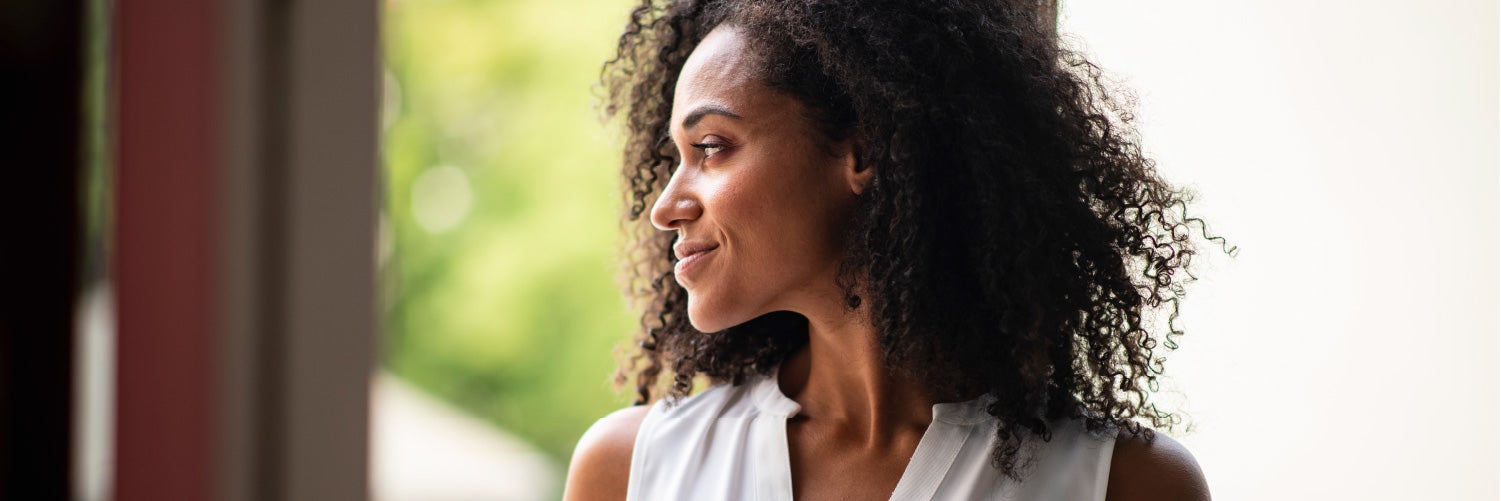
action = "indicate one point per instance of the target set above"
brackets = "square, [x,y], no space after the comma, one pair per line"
[166,131]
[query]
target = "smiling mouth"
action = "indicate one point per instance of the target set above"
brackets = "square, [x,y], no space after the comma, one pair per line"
[690,262]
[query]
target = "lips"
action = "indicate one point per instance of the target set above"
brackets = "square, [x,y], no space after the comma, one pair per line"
[690,253]
[687,248]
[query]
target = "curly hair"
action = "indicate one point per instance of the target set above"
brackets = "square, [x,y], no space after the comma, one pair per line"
[1014,239]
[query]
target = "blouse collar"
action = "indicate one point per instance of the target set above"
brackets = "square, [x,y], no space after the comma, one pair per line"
[768,397]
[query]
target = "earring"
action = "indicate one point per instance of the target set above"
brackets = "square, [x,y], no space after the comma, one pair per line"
[852,301]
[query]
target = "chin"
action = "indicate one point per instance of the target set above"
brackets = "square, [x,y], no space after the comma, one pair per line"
[705,318]
[704,322]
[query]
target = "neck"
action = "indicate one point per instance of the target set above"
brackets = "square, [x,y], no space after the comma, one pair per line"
[840,377]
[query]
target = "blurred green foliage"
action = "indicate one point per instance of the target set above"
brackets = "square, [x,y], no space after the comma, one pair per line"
[501,214]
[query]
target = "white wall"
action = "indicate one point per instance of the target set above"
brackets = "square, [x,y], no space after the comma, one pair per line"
[1350,149]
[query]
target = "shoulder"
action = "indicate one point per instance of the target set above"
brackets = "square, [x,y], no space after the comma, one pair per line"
[601,464]
[1158,468]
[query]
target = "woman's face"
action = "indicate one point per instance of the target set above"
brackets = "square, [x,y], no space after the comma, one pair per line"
[759,197]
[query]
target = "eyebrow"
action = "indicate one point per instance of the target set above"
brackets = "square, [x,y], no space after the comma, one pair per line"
[698,114]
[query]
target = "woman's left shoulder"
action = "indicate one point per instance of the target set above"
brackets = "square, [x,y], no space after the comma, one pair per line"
[1157,468]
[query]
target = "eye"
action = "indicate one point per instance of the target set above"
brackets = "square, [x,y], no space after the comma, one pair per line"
[709,149]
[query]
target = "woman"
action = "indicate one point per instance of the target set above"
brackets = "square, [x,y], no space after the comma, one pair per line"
[908,245]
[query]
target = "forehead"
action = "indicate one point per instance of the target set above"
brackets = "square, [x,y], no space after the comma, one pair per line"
[720,71]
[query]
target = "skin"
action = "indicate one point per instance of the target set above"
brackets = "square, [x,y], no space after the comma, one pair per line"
[770,193]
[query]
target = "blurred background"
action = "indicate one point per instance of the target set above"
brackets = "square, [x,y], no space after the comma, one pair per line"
[500,222]
[345,250]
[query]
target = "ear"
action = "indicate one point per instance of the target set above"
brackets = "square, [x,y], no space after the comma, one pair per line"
[857,174]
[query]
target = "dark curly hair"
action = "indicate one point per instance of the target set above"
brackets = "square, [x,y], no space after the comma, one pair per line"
[1014,239]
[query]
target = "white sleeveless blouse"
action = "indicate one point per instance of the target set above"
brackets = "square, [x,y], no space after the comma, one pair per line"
[730,443]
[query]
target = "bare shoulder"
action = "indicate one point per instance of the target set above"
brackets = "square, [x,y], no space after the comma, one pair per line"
[601,464]
[1159,469]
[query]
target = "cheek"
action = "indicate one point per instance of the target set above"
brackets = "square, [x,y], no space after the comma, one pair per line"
[749,216]
[784,223]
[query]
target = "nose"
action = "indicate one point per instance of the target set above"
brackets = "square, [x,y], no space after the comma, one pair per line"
[677,205]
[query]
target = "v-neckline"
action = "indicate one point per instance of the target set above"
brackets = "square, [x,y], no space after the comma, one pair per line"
[951,425]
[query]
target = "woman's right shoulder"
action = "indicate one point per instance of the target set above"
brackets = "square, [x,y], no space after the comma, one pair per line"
[601,464]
